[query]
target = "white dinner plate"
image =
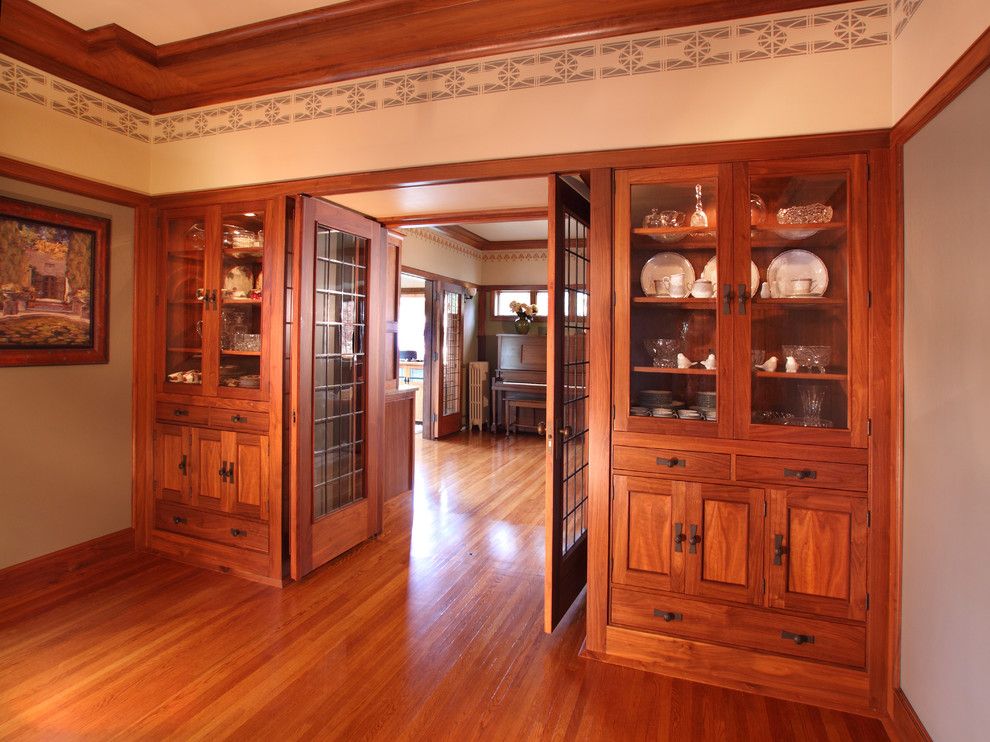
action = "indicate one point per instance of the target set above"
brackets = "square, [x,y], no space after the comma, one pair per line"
[793,264]
[666,264]
[710,273]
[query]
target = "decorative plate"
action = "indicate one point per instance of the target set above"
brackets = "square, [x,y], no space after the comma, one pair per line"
[795,264]
[239,278]
[666,264]
[710,273]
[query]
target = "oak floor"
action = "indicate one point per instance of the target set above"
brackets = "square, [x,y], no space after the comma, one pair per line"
[431,632]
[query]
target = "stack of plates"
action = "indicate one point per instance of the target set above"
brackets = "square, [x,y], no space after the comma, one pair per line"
[639,411]
[656,397]
[663,412]
[689,415]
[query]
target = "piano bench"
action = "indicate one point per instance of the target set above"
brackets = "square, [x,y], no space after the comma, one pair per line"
[512,407]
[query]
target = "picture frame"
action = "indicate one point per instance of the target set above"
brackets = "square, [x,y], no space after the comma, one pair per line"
[54,281]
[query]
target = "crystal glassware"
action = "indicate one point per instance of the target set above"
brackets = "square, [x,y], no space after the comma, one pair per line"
[699,218]
[812,401]
[757,210]
[662,351]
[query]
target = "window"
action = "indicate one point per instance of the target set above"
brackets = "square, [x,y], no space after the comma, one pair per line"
[501,299]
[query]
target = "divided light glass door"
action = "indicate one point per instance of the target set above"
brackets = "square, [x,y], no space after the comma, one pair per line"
[803,225]
[673,277]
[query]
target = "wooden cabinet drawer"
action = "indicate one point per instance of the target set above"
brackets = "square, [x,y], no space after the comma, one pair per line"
[239,420]
[182,414]
[216,527]
[795,472]
[799,636]
[669,461]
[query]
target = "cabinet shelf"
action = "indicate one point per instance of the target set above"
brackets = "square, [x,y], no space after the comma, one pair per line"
[687,302]
[243,302]
[246,353]
[197,351]
[783,375]
[679,371]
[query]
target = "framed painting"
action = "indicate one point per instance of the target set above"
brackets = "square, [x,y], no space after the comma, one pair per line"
[54,275]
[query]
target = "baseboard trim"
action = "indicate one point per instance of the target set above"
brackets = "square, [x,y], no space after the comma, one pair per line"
[48,568]
[904,724]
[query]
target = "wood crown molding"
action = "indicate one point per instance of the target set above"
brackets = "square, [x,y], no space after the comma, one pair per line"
[465,217]
[10,168]
[973,63]
[346,41]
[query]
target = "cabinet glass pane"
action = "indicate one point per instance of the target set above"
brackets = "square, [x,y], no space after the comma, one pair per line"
[338,370]
[673,315]
[241,307]
[185,286]
[800,318]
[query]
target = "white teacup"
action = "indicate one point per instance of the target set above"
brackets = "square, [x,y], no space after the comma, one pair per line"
[800,286]
[678,285]
[702,289]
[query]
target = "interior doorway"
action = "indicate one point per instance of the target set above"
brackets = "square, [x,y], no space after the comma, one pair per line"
[414,365]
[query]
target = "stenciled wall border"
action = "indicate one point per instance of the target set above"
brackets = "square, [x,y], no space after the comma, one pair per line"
[486,256]
[838,28]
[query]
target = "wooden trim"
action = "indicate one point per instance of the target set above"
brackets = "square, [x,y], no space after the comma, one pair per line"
[540,165]
[53,567]
[368,37]
[490,292]
[438,277]
[516,245]
[143,362]
[457,232]
[465,217]
[43,176]
[946,89]
[904,725]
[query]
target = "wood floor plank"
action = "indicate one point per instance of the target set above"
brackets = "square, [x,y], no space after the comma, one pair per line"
[432,631]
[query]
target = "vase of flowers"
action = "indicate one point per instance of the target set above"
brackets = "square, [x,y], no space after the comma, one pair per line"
[525,314]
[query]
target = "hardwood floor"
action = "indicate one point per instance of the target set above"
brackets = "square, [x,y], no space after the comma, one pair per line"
[433,631]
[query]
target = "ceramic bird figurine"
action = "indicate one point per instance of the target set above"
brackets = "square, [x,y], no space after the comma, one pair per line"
[709,362]
[792,365]
[769,365]
[764,291]
[682,361]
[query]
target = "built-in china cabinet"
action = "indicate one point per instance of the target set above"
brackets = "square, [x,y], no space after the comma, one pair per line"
[740,511]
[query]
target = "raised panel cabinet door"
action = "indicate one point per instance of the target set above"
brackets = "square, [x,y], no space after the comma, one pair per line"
[245,490]
[724,535]
[172,466]
[817,550]
[207,458]
[649,542]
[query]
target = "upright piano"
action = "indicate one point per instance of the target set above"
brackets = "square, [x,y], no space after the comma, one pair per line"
[521,373]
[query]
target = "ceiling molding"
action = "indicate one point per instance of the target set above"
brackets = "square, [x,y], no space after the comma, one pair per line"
[517,245]
[465,217]
[464,235]
[354,39]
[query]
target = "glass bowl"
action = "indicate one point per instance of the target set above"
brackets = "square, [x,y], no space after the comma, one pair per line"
[662,351]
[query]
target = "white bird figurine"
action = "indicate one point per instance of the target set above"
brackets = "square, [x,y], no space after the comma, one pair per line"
[682,361]
[709,362]
[770,364]
[792,365]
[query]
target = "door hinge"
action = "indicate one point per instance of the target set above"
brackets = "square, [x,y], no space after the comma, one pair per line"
[764,584]
[434,417]
[293,416]
[867,601]
[869,519]
[869,426]
[614,299]
[613,412]
[869,299]
[868,172]
[764,508]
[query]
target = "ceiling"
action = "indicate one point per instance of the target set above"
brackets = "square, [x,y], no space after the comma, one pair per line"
[535,229]
[162,21]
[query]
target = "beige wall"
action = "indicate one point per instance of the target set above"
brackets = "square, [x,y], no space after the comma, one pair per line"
[65,431]
[946,643]
[936,36]
[518,267]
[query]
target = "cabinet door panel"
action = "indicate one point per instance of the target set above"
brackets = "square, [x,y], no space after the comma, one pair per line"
[207,455]
[647,516]
[172,463]
[817,548]
[725,561]
[246,490]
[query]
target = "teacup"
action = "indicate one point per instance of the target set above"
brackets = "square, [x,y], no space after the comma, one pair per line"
[800,286]
[678,285]
[702,289]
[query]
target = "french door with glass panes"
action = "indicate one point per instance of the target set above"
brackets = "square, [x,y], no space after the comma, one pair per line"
[448,323]
[338,384]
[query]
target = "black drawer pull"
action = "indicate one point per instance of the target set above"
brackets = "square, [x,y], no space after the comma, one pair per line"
[778,548]
[180,413]
[671,463]
[237,532]
[694,540]
[238,419]
[183,466]
[179,520]
[743,295]
[727,298]
[667,615]
[679,536]
[797,638]
[801,474]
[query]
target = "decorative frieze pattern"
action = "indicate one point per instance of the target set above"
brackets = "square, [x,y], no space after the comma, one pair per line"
[489,256]
[839,28]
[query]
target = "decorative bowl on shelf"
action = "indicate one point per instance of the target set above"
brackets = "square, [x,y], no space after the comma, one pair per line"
[662,351]
[802,217]
[657,219]
[815,358]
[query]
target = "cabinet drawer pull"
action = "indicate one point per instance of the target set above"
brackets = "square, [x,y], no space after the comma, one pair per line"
[237,532]
[223,471]
[743,295]
[679,536]
[182,465]
[694,540]
[238,419]
[797,638]
[179,520]
[230,473]
[671,463]
[778,548]
[727,298]
[180,413]
[801,473]
[667,615]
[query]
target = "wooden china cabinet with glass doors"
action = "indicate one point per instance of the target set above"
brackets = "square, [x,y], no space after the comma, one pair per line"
[741,541]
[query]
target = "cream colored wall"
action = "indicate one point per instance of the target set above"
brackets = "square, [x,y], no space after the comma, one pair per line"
[37,134]
[516,267]
[945,647]
[65,431]
[936,36]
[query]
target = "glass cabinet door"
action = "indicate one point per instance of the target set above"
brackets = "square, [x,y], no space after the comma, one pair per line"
[241,318]
[185,296]
[673,355]
[805,331]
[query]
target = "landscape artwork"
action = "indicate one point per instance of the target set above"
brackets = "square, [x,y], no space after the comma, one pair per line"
[53,273]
